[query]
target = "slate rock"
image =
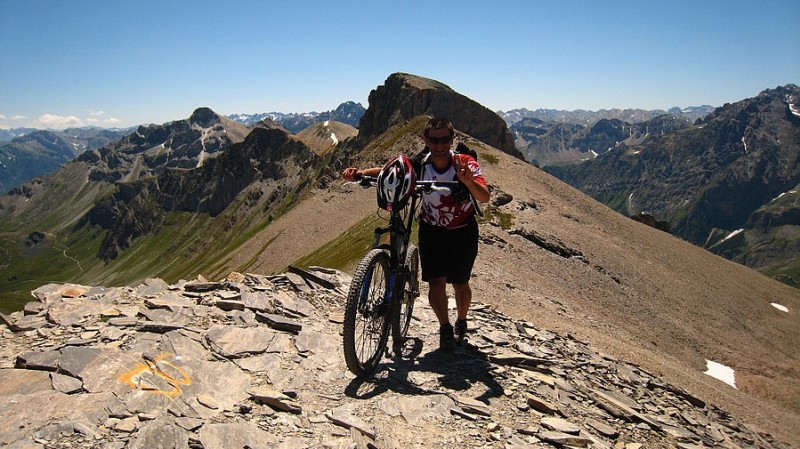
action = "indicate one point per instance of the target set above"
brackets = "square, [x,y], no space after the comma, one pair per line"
[171,301]
[564,439]
[560,425]
[151,287]
[235,342]
[541,405]
[23,382]
[344,418]
[66,384]
[279,323]
[235,435]
[160,434]
[39,360]
[274,399]
[602,428]
[33,308]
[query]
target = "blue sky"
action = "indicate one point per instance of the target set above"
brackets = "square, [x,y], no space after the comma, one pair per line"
[123,63]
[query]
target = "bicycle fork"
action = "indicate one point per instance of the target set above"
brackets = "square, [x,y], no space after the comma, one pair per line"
[377,308]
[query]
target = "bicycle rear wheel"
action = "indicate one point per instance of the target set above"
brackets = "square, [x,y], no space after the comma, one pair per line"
[410,294]
[366,315]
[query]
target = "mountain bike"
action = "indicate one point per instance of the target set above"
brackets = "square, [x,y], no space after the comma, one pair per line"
[384,287]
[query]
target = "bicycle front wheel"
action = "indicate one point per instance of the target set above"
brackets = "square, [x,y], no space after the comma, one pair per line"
[366,315]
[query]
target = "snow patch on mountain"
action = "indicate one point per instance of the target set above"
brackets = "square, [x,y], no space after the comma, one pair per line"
[721,372]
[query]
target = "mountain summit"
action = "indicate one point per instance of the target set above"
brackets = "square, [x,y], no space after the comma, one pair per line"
[404,96]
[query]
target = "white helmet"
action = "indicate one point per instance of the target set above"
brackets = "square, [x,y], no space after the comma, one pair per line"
[396,183]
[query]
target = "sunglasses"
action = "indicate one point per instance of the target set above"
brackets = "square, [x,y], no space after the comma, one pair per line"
[440,140]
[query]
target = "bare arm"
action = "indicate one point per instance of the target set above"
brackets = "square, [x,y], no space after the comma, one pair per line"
[478,190]
[350,173]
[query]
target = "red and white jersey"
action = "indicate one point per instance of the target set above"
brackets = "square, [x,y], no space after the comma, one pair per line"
[441,207]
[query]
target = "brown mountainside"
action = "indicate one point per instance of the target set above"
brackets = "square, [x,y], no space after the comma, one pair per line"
[323,136]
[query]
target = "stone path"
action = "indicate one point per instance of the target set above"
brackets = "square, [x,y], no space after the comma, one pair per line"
[255,361]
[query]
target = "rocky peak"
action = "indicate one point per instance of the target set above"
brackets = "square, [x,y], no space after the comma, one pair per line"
[269,123]
[404,96]
[347,112]
[204,117]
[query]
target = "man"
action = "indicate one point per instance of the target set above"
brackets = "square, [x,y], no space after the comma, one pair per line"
[448,231]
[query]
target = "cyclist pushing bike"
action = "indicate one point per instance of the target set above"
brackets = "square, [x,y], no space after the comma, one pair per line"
[448,230]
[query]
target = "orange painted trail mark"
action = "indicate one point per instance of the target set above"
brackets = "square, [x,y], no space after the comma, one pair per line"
[148,376]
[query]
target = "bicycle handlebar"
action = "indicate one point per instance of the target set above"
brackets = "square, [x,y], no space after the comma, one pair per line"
[371,181]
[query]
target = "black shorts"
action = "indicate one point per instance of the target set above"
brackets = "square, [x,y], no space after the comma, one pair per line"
[448,253]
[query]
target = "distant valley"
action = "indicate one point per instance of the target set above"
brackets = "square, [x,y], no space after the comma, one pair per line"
[33,153]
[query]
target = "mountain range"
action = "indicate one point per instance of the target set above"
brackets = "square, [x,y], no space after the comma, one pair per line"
[588,118]
[728,182]
[39,152]
[555,143]
[207,195]
[348,112]
[22,160]
[545,137]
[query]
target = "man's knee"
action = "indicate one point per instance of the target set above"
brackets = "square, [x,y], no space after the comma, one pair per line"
[462,288]
[437,284]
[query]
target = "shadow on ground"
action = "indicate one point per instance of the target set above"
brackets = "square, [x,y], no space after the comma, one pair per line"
[458,370]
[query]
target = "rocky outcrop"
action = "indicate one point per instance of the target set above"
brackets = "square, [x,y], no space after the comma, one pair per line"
[255,361]
[651,221]
[404,96]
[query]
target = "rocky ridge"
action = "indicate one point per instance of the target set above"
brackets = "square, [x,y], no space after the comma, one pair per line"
[255,361]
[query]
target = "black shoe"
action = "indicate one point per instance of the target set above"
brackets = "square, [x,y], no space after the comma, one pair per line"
[461,330]
[447,341]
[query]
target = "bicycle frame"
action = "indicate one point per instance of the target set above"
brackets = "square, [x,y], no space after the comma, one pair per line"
[399,231]
[375,311]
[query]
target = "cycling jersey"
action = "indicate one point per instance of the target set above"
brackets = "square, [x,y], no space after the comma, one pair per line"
[449,208]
